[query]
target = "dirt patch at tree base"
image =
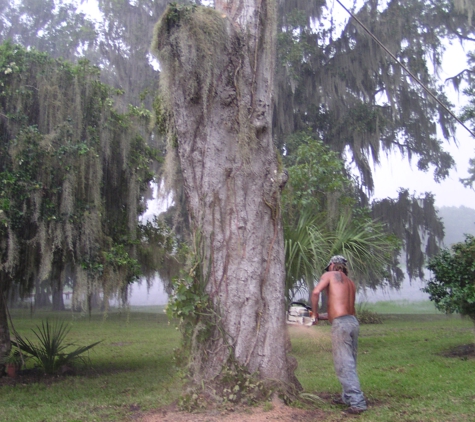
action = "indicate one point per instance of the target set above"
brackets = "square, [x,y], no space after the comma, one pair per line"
[275,411]
[30,376]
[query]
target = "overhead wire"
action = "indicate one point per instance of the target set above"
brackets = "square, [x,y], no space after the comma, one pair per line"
[404,67]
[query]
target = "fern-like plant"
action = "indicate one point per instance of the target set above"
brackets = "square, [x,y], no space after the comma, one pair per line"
[50,350]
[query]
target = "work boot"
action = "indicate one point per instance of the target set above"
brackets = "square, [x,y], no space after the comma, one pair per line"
[339,400]
[354,411]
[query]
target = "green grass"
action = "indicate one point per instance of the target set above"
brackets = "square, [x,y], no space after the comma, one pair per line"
[401,307]
[402,370]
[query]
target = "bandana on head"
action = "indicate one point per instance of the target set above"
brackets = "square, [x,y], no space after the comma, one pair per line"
[337,259]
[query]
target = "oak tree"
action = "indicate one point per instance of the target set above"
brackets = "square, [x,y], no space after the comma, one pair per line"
[217,82]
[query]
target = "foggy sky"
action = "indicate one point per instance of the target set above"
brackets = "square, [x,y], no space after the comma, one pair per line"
[396,172]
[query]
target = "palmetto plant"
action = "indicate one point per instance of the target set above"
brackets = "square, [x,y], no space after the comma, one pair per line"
[50,350]
[367,246]
[305,247]
[309,244]
[322,218]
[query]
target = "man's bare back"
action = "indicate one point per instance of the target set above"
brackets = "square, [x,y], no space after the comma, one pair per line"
[341,294]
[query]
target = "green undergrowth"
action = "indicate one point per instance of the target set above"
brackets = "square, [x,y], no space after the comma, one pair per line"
[403,371]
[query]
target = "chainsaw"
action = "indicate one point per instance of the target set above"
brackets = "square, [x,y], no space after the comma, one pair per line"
[301,314]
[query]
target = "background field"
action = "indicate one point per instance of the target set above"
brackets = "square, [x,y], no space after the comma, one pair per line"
[402,367]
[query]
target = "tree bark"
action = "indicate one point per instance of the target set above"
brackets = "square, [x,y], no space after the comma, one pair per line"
[5,344]
[57,285]
[217,81]
[42,293]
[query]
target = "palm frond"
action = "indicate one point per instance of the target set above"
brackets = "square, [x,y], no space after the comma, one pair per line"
[50,350]
[366,245]
[309,244]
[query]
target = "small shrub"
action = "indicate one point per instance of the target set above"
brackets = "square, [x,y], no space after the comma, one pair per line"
[368,317]
[50,353]
[268,406]
[15,358]
[191,402]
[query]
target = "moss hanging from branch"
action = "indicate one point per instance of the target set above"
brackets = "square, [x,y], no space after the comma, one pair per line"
[73,173]
[189,40]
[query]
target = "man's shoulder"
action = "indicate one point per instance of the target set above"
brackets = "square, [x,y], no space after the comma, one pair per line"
[338,276]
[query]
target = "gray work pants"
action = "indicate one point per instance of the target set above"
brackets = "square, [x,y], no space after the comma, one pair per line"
[345,332]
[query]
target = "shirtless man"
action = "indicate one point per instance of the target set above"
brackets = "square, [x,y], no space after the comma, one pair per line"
[345,329]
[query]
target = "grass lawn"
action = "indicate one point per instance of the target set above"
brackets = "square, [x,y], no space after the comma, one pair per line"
[399,307]
[403,371]
[401,365]
[131,369]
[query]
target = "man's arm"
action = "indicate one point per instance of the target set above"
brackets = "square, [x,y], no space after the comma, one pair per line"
[315,300]
[322,285]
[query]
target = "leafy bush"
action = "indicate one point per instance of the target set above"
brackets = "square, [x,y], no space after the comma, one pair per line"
[14,358]
[369,317]
[50,353]
[366,316]
[452,287]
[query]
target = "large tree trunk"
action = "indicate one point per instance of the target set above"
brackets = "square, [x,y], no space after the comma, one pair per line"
[5,344]
[57,276]
[217,82]
[42,292]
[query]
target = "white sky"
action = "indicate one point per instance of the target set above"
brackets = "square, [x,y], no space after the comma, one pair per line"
[396,172]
